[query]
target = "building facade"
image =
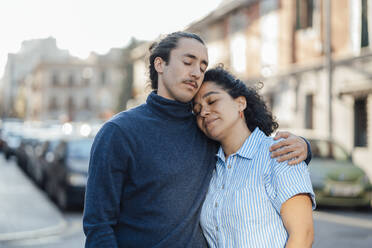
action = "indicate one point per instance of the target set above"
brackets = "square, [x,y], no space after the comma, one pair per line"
[74,91]
[314,57]
[42,82]
[20,64]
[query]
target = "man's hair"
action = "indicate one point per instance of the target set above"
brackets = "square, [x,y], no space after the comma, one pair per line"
[256,113]
[163,48]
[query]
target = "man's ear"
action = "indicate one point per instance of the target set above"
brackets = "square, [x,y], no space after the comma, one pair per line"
[242,102]
[159,64]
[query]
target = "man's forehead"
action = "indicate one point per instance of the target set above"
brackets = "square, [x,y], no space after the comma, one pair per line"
[192,48]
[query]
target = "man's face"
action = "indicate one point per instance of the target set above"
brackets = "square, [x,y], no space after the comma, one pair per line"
[182,77]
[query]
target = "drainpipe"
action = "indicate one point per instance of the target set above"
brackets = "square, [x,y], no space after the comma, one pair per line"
[328,60]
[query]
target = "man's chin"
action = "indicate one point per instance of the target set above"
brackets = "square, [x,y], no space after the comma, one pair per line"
[185,98]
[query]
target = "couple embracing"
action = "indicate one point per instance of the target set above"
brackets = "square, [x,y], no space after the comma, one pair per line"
[194,166]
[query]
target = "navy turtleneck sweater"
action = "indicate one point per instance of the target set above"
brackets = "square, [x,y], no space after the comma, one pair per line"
[149,172]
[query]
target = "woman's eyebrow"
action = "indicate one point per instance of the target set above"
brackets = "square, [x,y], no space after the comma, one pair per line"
[210,93]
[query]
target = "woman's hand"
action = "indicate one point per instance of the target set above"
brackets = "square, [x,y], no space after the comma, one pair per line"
[293,148]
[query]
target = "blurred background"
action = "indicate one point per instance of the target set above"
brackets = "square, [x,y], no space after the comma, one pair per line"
[68,66]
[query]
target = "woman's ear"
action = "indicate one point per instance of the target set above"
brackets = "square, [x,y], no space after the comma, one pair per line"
[159,64]
[242,102]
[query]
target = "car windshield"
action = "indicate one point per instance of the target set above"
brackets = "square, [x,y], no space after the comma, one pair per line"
[79,148]
[328,150]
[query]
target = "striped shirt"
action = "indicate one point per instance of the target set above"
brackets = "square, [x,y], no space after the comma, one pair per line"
[242,206]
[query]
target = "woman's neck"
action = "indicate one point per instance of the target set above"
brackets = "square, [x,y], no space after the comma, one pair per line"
[234,140]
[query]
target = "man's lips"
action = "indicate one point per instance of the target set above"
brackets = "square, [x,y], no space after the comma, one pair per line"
[191,83]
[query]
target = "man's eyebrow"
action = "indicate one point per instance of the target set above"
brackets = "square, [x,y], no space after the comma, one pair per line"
[189,55]
[210,93]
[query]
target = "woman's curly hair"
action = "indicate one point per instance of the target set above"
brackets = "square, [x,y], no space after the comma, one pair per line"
[256,113]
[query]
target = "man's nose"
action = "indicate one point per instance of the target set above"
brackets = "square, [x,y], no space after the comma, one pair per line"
[196,73]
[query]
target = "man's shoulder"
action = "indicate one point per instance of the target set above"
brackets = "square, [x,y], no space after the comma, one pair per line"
[130,116]
[125,120]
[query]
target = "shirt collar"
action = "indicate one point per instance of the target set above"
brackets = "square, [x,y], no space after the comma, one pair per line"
[249,147]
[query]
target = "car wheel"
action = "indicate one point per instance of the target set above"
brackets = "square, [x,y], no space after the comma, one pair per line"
[62,200]
[49,188]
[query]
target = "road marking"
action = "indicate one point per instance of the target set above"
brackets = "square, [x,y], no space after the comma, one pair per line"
[70,229]
[49,231]
[36,242]
[339,219]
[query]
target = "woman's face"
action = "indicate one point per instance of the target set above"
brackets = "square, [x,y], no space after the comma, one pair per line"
[216,111]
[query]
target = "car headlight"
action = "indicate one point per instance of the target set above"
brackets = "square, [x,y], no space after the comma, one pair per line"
[365,180]
[76,179]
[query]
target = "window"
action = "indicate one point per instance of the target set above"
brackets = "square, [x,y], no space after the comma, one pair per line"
[53,104]
[360,122]
[270,100]
[325,149]
[238,45]
[304,13]
[71,108]
[215,32]
[86,81]
[103,77]
[71,80]
[364,38]
[87,75]
[87,103]
[237,22]
[55,79]
[309,111]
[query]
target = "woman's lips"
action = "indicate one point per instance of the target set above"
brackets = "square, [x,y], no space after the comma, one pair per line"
[209,122]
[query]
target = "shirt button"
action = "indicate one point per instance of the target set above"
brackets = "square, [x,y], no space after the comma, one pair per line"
[223,186]
[216,204]
[216,228]
[229,166]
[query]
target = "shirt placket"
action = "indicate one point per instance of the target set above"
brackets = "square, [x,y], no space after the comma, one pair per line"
[217,199]
[227,183]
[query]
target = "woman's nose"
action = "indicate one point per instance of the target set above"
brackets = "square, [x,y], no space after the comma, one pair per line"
[204,112]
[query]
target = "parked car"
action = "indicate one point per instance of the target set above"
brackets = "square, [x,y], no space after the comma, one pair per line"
[337,181]
[12,141]
[66,176]
[1,136]
[10,136]
[44,157]
[25,153]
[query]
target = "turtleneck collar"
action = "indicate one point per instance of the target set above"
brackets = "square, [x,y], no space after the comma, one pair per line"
[167,108]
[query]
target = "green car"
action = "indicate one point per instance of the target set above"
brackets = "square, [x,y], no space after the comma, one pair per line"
[336,180]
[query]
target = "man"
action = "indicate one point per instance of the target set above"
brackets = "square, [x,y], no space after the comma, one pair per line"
[150,167]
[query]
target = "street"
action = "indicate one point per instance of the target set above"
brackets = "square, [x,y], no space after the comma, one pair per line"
[71,237]
[333,227]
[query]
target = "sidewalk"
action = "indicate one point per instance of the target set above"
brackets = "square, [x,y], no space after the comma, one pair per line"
[25,212]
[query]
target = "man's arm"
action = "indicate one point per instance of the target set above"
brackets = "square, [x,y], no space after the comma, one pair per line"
[293,148]
[103,193]
[298,220]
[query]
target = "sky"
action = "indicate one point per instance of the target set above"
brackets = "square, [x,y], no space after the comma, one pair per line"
[82,26]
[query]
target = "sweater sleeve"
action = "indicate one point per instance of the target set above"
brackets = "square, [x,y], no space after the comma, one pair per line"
[106,177]
[309,153]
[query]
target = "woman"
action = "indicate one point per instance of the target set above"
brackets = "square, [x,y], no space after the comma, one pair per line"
[253,200]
